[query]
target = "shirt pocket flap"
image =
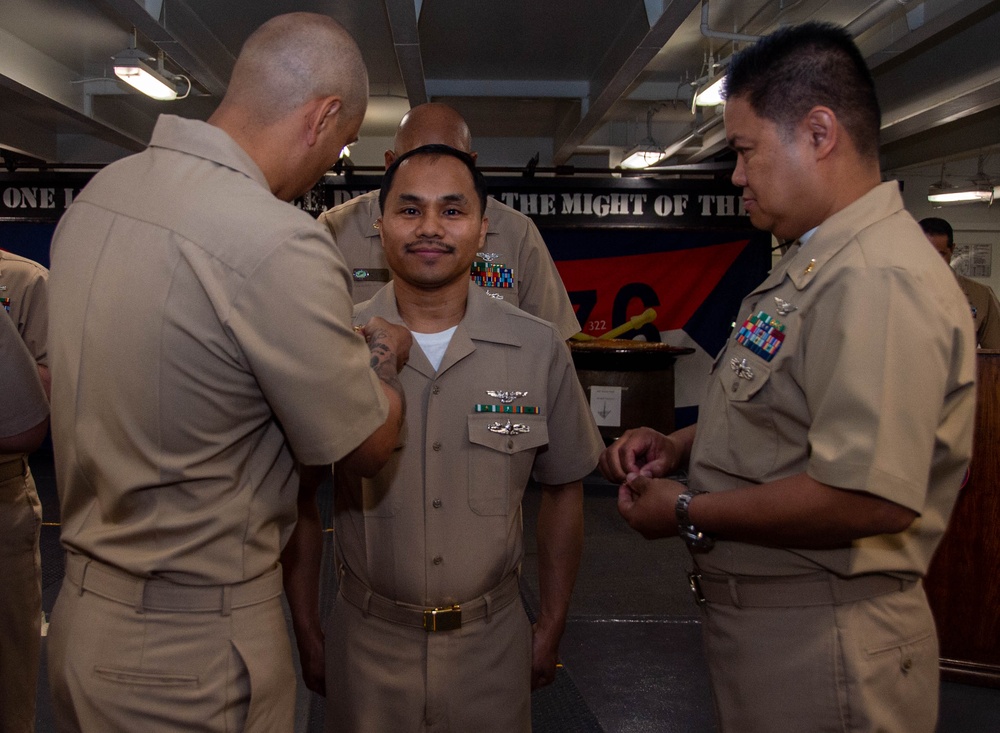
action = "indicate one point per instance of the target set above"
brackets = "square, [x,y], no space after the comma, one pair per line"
[508,433]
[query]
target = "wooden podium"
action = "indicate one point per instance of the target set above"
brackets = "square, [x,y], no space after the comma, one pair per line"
[963,582]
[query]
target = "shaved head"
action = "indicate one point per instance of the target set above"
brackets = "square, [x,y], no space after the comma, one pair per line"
[293,59]
[432,124]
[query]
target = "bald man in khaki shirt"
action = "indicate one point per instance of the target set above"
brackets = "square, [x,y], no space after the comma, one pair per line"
[428,629]
[201,344]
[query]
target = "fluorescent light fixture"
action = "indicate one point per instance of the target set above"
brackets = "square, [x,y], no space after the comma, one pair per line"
[131,67]
[962,195]
[643,155]
[711,96]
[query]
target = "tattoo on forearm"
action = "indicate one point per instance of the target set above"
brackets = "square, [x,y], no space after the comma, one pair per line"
[383,362]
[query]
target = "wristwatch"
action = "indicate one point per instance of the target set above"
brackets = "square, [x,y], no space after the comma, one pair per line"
[697,540]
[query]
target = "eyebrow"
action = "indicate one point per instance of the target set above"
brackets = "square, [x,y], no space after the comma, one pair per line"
[456,198]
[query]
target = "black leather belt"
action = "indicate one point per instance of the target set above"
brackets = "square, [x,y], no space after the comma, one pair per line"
[445,618]
[816,589]
[162,595]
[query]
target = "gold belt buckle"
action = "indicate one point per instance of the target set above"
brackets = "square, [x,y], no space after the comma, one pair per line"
[694,580]
[443,619]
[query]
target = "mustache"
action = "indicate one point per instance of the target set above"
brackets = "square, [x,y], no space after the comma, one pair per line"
[431,244]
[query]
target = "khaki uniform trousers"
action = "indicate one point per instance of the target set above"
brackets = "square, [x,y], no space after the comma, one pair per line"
[867,666]
[20,597]
[126,655]
[382,676]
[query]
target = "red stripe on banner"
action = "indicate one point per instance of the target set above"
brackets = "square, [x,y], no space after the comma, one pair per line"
[680,279]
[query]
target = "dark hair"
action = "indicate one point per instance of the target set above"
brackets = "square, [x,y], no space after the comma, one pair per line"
[796,68]
[934,225]
[478,180]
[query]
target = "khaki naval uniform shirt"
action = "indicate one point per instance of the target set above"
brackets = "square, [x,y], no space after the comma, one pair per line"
[867,383]
[985,311]
[516,266]
[441,522]
[24,295]
[23,404]
[200,337]
[854,363]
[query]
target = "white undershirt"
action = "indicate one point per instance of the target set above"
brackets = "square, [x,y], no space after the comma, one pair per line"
[434,344]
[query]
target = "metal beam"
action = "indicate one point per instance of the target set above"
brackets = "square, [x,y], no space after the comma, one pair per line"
[26,69]
[30,140]
[37,78]
[960,15]
[967,137]
[621,67]
[965,98]
[406,41]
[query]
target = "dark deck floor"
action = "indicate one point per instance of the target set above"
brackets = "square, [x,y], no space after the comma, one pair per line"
[632,649]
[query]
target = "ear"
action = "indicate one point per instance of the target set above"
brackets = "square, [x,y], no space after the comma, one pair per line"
[823,129]
[482,232]
[321,114]
[474,155]
[390,158]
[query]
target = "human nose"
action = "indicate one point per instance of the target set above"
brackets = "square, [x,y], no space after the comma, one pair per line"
[430,225]
[739,176]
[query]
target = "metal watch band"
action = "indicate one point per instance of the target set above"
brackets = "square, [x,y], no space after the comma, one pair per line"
[697,540]
[683,502]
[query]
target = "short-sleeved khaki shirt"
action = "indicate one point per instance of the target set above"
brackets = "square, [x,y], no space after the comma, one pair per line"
[24,297]
[200,337]
[515,266]
[853,362]
[22,399]
[985,311]
[441,522]
[24,294]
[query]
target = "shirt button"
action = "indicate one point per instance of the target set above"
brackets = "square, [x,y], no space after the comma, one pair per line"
[437,503]
[907,664]
[510,445]
[435,390]
[736,384]
[438,560]
[436,445]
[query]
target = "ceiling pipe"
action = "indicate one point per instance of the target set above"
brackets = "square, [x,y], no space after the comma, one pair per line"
[691,136]
[874,15]
[709,33]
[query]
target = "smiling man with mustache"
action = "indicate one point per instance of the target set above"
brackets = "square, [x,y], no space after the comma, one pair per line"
[428,631]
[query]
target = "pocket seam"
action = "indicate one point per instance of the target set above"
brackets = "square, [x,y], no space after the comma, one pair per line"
[157,679]
[911,641]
